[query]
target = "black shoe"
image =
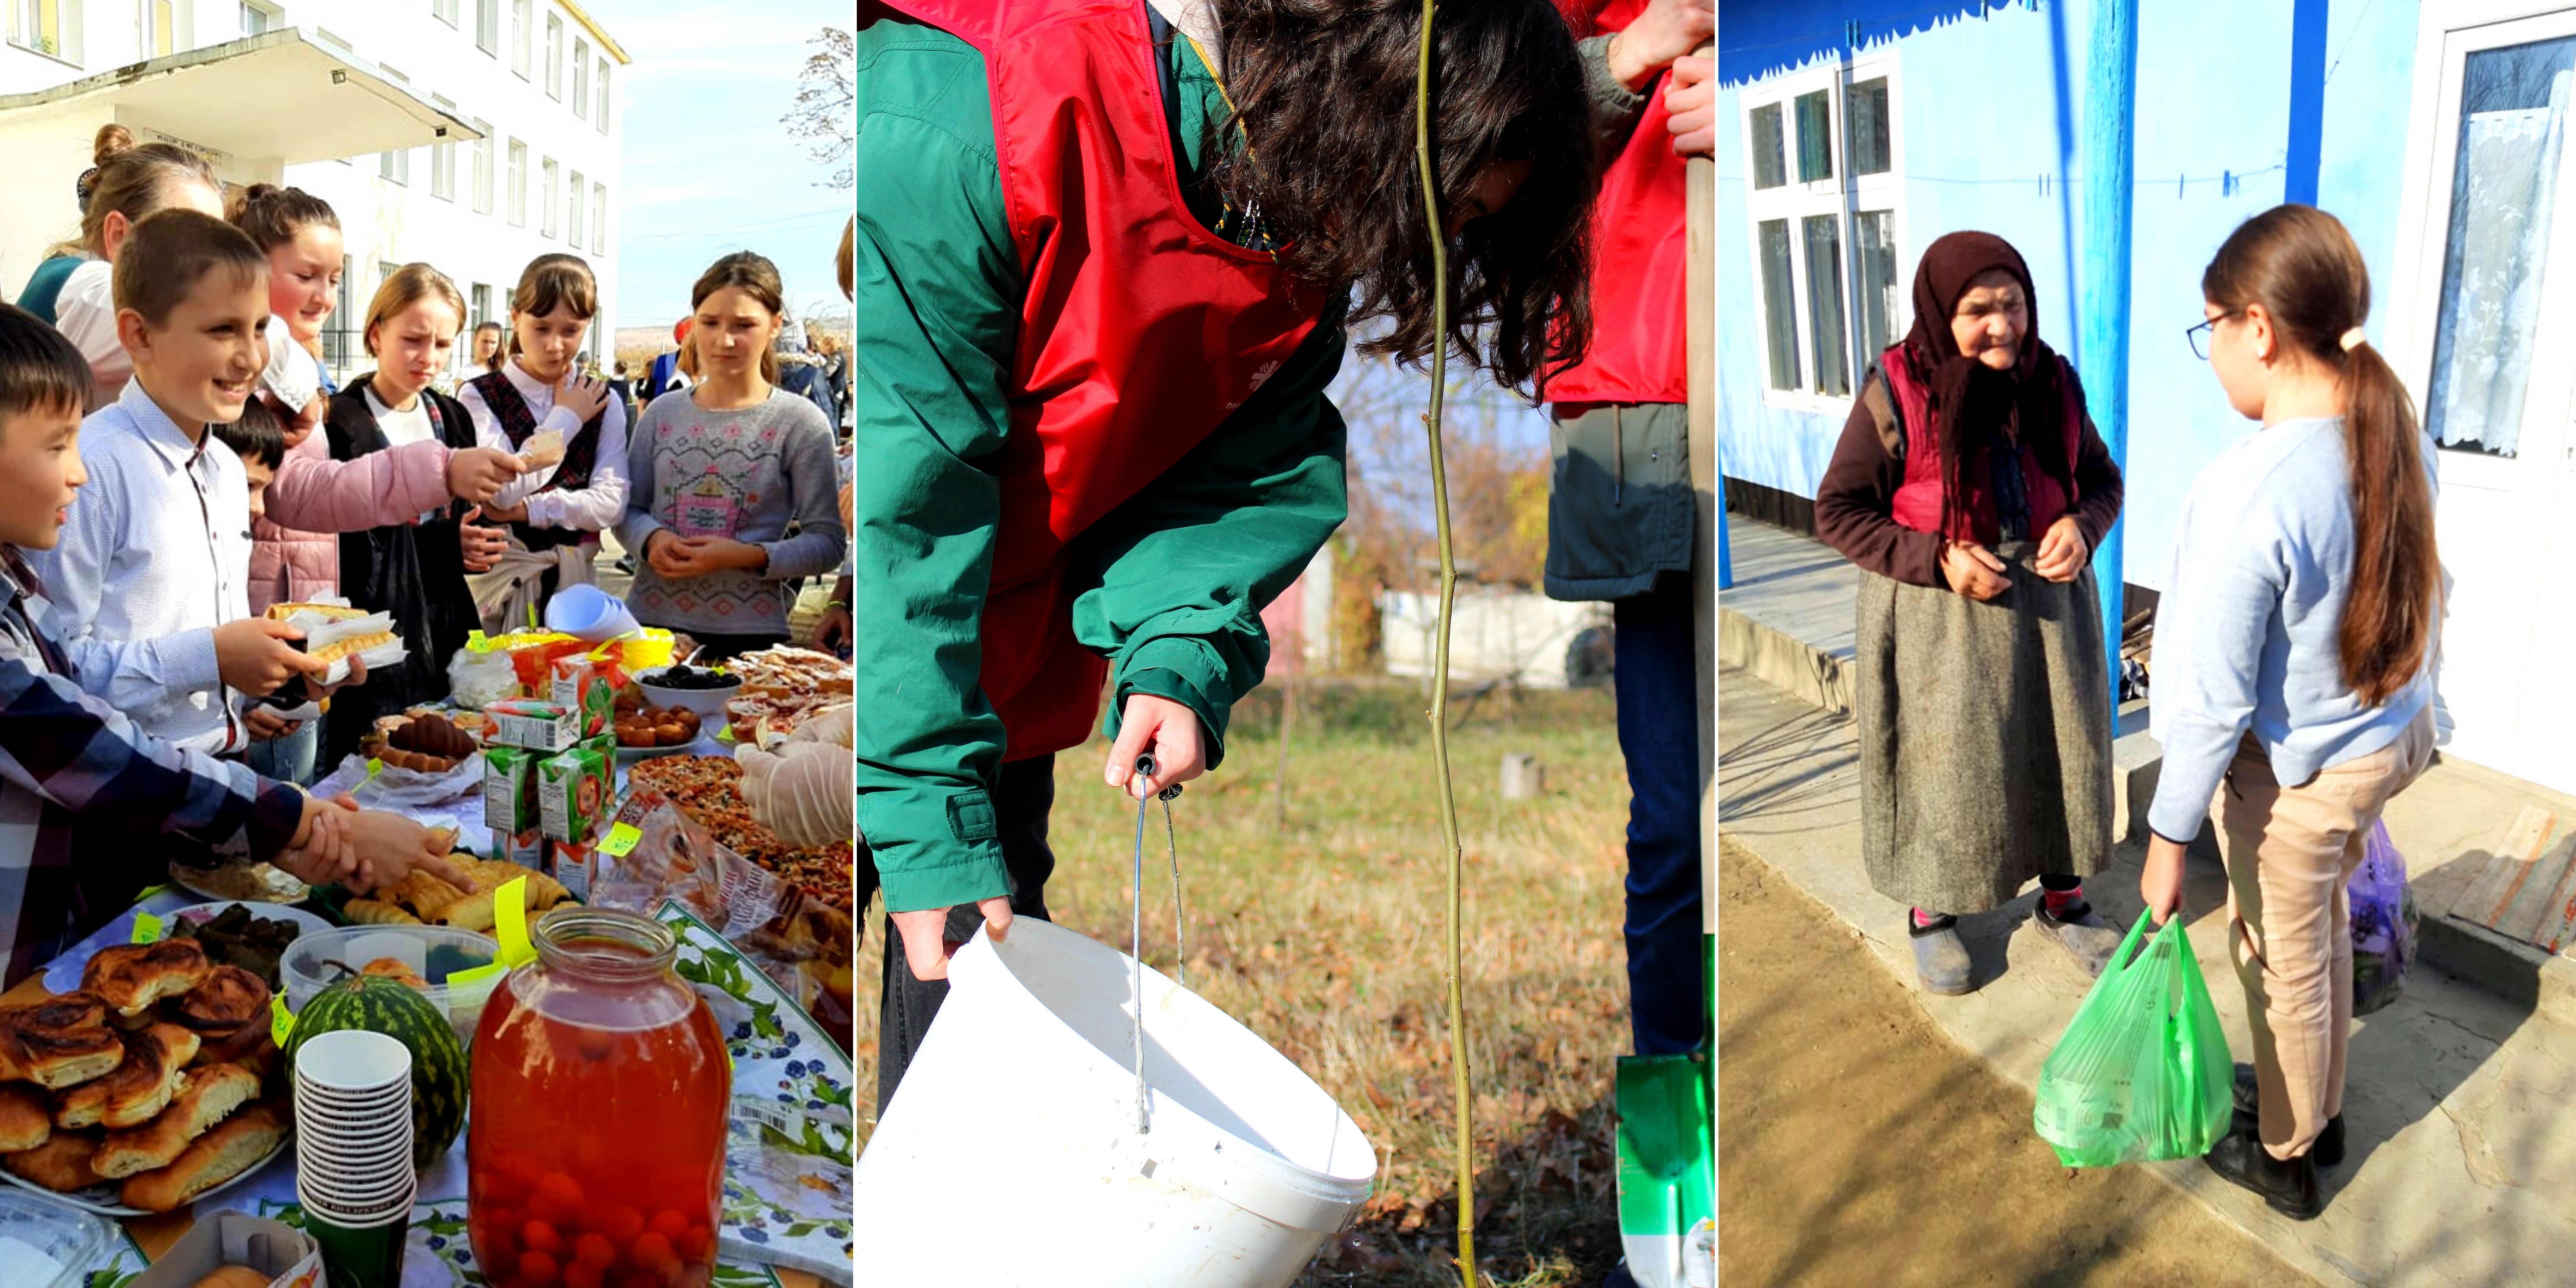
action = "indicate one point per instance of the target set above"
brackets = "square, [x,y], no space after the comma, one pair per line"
[2289,1187]
[2328,1149]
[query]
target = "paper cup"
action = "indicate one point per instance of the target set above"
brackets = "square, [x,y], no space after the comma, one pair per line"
[364,1210]
[356,1177]
[352,1064]
[360,1253]
[355,1203]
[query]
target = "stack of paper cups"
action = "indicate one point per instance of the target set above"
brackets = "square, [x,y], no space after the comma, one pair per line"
[353,1129]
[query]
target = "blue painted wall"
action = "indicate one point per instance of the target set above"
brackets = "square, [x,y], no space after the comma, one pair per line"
[1987,105]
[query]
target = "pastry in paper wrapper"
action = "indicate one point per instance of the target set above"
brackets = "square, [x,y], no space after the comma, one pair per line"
[801,942]
[542,450]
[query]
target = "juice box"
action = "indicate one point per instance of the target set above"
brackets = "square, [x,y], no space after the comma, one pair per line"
[509,790]
[534,725]
[588,686]
[575,791]
[527,849]
[571,862]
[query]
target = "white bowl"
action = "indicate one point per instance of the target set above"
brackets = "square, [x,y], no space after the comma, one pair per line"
[708,703]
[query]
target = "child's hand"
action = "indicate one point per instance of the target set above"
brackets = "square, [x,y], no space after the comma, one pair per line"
[320,853]
[1691,97]
[699,556]
[582,395]
[255,656]
[1167,729]
[265,725]
[481,547]
[477,474]
[388,846]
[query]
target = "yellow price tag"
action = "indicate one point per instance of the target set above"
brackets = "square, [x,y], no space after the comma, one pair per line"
[478,973]
[510,923]
[374,767]
[621,840]
[281,1021]
[147,928]
[149,891]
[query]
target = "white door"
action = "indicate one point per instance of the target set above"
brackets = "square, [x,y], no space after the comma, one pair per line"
[2484,326]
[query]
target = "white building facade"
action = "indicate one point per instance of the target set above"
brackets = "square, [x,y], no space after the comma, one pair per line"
[539,80]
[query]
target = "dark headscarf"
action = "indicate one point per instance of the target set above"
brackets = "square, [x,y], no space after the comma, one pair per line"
[1975,406]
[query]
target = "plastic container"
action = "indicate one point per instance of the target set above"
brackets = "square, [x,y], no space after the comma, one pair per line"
[433,952]
[708,703]
[71,1239]
[1023,1095]
[601,1092]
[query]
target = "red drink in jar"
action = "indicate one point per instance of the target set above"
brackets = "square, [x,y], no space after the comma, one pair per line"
[595,1145]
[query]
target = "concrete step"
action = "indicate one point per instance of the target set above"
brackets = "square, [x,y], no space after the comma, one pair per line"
[2458,1171]
[1787,621]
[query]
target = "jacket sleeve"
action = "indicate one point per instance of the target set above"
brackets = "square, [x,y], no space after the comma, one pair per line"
[1615,107]
[1855,504]
[313,493]
[144,678]
[1179,575]
[2098,486]
[820,544]
[939,289]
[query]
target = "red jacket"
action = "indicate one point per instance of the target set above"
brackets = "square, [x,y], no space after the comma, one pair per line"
[1640,272]
[1141,330]
[1918,502]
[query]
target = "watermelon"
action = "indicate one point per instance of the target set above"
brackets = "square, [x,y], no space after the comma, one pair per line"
[438,1071]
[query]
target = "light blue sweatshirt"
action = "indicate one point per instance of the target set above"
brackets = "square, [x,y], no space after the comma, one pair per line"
[2245,635]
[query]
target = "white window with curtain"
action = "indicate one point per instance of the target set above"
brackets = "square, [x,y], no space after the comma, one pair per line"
[259,17]
[395,165]
[164,27]
[598,219]
[445,9]
[574,191]
[1827,219]
[523,37]
[546,189]
[442,160]
[599,112]
[487,26]
[580,78]
[49,27]
[483,168]
[518,209]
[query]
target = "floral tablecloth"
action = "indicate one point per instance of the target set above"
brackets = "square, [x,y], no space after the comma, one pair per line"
[787,1197]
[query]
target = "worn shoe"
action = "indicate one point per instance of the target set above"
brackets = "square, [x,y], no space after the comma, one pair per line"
[2328,1149]
[1940,957]
[2081,932]
[2290,1188]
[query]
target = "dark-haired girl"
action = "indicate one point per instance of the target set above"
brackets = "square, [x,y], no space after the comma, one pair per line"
[71,288]
[1971,488]
[1105,256]
[2295,650]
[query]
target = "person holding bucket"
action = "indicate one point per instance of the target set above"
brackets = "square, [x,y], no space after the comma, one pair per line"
[1971,488]
[1105,262]
[2294,691]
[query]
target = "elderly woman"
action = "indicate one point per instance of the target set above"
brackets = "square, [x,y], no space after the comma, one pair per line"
[1971,487]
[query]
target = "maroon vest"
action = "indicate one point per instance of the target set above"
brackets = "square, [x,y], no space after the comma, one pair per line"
[1918,503]
[518,424]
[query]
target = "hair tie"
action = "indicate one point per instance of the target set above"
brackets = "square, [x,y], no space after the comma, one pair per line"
[2352,338]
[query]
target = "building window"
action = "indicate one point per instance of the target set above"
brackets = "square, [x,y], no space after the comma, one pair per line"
[572,210]
[599,114]
[50,27]
[442,160]
[482,305]
[258,18]
[518,184]
[483,168]
[445,9]
[581,78]
[598,219]
[162,21]
[395,165]
[554,57]
[546,194]
[487,26]
[523,37]
[1827,223]
[341,349]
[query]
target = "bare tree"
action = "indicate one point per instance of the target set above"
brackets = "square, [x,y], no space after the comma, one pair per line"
[820,114]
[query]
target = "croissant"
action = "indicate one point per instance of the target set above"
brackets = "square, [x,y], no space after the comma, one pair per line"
[58,1043]
[139,1088]
[230,997]
[131,977]
[436,735]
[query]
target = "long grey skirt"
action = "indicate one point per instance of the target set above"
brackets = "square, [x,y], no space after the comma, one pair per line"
[1985,737]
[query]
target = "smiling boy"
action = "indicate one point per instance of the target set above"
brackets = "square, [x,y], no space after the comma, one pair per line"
[165,522]
[79,783]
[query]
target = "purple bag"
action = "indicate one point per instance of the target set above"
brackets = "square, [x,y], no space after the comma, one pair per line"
[2383,923]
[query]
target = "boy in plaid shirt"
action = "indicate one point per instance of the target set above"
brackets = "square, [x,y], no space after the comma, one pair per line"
[83,792]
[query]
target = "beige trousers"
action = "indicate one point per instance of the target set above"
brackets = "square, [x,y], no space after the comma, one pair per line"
[2289,851]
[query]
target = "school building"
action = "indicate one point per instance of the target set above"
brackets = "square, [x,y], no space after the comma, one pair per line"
[1853,133]
[474,135]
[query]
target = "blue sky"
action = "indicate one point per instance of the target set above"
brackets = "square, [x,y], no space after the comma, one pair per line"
[709,169]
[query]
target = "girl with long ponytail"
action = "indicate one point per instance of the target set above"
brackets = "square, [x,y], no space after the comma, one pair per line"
[2297,637]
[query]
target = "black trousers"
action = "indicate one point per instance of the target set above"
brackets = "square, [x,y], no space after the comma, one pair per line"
[1021,801]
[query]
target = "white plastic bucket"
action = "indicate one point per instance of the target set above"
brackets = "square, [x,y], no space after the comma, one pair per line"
[1010,1156]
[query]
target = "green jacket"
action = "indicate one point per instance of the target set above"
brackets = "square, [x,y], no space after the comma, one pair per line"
[1168,587]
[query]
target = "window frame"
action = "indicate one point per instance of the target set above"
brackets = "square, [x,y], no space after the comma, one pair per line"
[444,10]
[148,28]
[554,55]
[580,96]
[482,162]
[523,38]
[518,191]
[487,27]
[576,201]
[1844,197]
[598,220]
[549,184]
[63,45]
[599,88]
[395,166]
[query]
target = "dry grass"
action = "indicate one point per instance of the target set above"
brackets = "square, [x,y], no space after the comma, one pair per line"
[1326,936]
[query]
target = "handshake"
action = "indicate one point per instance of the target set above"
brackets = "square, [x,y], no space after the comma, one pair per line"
[365,849]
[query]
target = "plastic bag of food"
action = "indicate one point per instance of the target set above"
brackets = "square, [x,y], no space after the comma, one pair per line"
[478,679]
[2142,1073]
[2383,923]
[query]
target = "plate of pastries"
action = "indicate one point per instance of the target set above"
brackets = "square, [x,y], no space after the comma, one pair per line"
[154,1085]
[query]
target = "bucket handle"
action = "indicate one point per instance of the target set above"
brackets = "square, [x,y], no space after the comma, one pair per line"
[1136,920]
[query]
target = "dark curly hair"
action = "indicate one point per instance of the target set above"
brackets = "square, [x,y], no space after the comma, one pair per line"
[1324,90]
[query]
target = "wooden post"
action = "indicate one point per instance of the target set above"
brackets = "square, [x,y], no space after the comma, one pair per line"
[1702,331]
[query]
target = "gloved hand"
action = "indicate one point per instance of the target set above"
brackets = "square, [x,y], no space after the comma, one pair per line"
[832,724]
[804,793]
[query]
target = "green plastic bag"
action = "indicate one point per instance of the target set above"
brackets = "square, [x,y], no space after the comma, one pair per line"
[2143,1072]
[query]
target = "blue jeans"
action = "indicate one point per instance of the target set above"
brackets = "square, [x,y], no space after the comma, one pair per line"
[288,759]
[1658,693]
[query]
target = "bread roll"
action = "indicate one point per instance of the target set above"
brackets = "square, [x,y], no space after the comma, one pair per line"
[61,1164]
[141,1086]
[234,1277]
[376,912]
[213,1093]
[350,647]
[131,977]
[26,1120]
[233,1147]
[58,1043]
[229,998]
